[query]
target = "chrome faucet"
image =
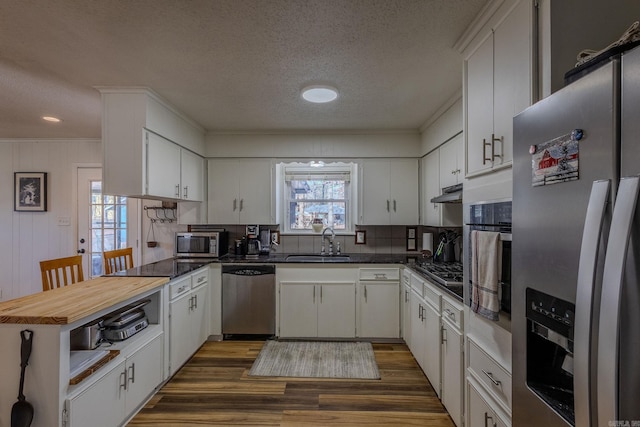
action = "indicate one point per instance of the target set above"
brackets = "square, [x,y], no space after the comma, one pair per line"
[333,235]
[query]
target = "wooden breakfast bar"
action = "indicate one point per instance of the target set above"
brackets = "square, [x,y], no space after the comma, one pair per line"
[110,389]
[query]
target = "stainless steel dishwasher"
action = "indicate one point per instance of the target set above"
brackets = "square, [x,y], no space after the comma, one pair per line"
[248,300]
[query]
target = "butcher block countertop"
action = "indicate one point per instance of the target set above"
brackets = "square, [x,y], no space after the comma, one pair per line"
[66,305]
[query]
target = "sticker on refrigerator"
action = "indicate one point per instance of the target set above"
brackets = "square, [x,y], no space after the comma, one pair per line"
[556,161]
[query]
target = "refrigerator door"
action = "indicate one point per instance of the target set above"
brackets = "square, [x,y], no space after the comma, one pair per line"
[548,220]
[629,338]
[611,343]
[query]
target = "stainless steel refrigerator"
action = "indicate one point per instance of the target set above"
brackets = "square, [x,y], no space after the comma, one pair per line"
[576,254]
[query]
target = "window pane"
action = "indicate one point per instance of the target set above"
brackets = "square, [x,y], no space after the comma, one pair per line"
[120,239]
[96,264]
[96,240]
[317,189]
[302,214]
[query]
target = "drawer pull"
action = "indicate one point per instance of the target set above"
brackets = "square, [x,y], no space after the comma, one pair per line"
[451,314]
[379,276]
[490,376]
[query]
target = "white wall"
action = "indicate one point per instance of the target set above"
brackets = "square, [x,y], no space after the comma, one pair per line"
[313,146]
[29,237]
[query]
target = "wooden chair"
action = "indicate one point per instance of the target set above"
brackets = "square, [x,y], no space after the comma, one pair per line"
[60,272]
[118,259]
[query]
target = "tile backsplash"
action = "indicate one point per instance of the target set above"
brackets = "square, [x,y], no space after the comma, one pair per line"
[381,239]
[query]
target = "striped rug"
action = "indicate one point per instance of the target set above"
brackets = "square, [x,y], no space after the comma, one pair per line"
[316,359]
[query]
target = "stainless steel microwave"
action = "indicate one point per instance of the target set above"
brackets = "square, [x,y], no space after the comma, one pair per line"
[197,244]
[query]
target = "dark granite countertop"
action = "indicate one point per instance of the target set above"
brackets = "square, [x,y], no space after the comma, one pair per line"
[175,267]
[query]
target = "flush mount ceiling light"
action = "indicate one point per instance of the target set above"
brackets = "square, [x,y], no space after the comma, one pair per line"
[319,94]
[51,119]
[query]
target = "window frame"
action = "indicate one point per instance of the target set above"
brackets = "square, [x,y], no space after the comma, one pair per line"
[283,193]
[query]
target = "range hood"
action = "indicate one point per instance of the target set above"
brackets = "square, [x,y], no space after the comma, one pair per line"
[451,194]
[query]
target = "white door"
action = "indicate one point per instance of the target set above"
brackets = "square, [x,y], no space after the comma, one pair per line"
[88,179]
[104,222]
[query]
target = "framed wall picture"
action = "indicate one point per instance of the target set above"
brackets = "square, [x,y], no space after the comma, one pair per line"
[361,237]
[30,191]
[411,238]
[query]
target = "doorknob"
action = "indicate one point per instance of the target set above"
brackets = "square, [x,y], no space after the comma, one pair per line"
[81,251]
[82,240]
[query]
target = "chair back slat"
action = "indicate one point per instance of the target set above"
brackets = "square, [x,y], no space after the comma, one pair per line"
[61,272]
[117,260]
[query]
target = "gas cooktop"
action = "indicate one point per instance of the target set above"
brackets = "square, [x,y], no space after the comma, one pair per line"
[447,274]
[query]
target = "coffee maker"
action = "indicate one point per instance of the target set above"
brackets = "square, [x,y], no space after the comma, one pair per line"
[253,242]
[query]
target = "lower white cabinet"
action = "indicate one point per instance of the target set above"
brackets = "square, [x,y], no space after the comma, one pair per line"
[120,391]
[324,309]
[188,317]
[481,412]
[379,302]
[452,361]
[406,307]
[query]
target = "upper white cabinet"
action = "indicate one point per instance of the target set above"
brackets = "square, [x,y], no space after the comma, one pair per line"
[149,148]
[498,85]
[389,192]
[240,191]
[439,169]
[452,162]
[172,171]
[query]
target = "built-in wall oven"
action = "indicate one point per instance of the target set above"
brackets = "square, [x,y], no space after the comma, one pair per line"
[490,216]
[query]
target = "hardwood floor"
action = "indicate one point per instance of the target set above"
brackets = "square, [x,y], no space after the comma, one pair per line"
[213,389]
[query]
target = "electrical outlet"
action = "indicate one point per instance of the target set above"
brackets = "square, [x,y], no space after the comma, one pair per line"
[64,221]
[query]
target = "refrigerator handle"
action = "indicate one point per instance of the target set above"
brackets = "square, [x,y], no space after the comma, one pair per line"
[612,281]
[591,236]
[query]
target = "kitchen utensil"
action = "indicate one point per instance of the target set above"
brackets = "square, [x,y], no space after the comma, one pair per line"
[22,411]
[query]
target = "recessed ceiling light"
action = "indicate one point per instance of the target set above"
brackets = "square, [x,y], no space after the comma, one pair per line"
[51,119]
[319,94]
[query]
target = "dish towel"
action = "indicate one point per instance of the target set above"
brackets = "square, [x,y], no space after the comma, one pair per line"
[485,273]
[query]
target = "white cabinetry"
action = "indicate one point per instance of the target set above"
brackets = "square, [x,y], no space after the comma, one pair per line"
[160,168]
[481,412]
[498,85]
[488,387]
[316,301]
[121,391]
[188,317]
[452,359]
[452,162]
[406,307]
[389,192]
[441,168]
[317,309]
[240,191]
[379,303]
[425,329]
[172,171]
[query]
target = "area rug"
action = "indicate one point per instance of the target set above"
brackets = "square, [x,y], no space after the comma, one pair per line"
[316,359]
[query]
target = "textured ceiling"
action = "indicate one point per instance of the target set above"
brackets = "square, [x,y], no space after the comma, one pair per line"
[231,65]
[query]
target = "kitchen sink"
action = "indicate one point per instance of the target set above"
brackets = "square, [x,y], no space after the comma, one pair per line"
[318,258]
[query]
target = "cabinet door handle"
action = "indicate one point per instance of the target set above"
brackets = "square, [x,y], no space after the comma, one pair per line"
[487,417]
[235,204]
[241,204]
[492,378]
[406,296]
[387,206]
[123,379]
[314,294]
[493,147]
[394,205]
[132,376]
[186,192]
[178,190]
[484,151]
[320,294]
[195,298]
[365,293]
[443,335]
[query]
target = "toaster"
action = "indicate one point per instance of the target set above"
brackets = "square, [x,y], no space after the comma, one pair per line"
[87,337]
